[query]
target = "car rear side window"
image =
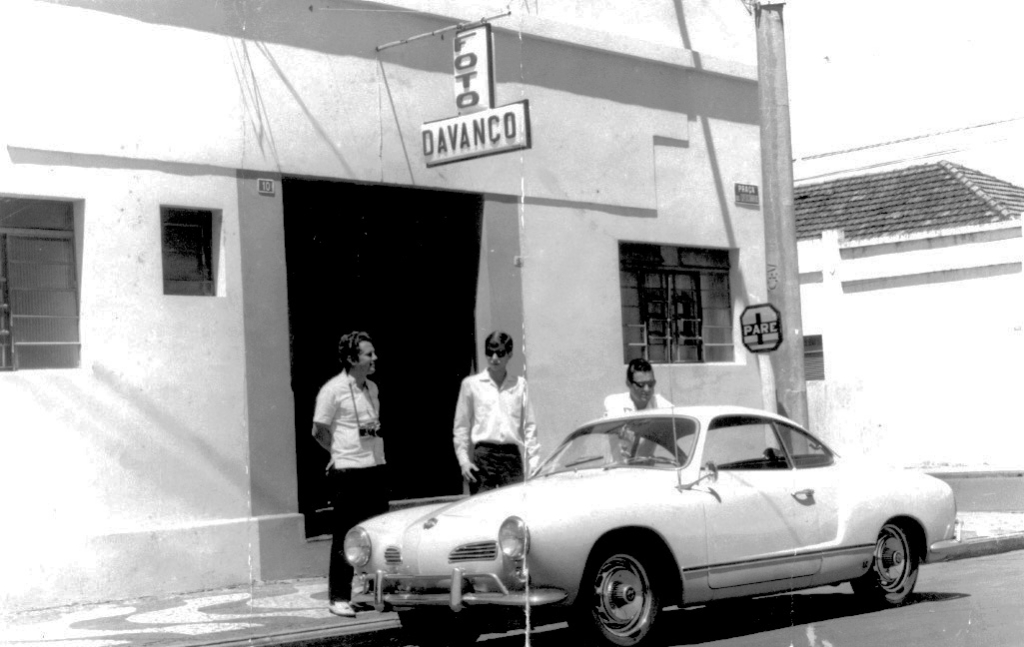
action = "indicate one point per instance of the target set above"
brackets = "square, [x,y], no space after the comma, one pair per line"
[804,449]
[744,443]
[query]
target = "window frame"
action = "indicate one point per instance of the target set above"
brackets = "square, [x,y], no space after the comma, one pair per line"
[45,229]
[204,284]
[683,328]
[814,358]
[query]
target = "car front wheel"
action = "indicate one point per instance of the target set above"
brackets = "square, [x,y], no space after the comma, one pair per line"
[619,601]
[893,573]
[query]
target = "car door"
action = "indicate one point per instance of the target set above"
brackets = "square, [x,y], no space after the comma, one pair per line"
[815,483]
[757,526]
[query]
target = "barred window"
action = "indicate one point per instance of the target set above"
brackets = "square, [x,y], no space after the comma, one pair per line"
[187,240]
[676,304]
[38,285]
[814,358]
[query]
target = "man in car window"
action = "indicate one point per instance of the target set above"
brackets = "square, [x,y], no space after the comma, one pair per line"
[641,395]
[495,432]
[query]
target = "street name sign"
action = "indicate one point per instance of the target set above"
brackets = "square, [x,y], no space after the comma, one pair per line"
[762,328]
[747,194]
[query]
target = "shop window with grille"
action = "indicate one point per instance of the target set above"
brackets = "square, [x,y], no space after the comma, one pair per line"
[676,304]
[187,243]
[38,285]
[814,358]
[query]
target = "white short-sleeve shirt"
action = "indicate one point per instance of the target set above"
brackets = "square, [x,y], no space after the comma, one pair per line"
[345,407]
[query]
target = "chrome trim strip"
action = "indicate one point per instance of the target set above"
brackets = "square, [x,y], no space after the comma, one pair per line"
[537,597]
[794,556]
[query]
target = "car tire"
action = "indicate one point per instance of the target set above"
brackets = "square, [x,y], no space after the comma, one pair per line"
[893,572]
[439,627]
[620,597]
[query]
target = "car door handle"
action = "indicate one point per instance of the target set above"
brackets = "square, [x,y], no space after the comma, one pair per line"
[804,496]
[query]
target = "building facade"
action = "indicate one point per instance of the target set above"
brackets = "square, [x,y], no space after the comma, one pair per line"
[199,198]
[911,290]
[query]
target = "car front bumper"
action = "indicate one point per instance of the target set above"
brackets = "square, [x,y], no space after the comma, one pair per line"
[455,590]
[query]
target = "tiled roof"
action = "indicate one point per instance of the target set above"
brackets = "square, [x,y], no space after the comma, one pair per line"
[919,198]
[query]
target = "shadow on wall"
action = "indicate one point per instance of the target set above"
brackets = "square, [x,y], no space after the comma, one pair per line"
[130,457]
[356,29]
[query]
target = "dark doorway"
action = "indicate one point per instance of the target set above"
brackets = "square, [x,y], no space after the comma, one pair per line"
[402,265]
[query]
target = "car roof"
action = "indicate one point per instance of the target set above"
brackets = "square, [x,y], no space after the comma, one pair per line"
[700,412]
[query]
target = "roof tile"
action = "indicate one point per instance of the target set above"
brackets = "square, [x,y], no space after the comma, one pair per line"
[918,198]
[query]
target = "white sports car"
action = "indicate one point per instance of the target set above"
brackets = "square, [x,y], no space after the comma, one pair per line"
[631,514]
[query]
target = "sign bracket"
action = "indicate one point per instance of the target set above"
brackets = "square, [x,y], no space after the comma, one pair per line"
[469,24]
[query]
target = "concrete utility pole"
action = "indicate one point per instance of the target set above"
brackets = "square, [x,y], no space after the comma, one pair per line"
[783,274]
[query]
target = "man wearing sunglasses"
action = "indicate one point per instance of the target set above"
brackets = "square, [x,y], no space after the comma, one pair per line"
[495,433]
[641,395]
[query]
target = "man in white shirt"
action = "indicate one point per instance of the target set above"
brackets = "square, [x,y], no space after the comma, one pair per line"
[641,395]
[494,431]
[346,422]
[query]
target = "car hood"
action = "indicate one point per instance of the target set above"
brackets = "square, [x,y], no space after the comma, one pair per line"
[428,536]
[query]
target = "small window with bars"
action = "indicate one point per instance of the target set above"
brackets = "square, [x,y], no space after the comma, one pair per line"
[187,243]
[38,285]
[814,358]
[676,304]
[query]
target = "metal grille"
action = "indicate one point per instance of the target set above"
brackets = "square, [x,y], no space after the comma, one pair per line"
[38,285]
[676,304]
[481,551]
[392,555]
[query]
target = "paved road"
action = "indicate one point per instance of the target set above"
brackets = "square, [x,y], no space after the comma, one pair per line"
[969,603]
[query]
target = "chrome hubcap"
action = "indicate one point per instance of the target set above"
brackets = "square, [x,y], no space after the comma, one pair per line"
[623,595]
[890,558]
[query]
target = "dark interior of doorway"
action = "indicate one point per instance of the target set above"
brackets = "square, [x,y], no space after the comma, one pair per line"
[401,264]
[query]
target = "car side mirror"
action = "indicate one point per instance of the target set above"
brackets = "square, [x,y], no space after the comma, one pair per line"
[709,472]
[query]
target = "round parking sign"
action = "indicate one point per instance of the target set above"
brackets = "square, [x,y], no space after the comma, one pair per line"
[762,328]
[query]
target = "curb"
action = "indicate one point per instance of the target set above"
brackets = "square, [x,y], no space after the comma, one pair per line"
[987,546]
[321,636]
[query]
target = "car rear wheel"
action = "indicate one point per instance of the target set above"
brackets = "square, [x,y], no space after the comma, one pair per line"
[439,627]
[893,573]
[619,600]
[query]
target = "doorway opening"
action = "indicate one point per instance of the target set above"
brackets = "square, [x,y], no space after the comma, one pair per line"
[401,264]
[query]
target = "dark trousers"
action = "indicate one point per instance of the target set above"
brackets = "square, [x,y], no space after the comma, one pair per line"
[356,495]
[498,465]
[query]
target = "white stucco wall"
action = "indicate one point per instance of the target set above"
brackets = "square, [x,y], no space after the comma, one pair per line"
[149,434]
[922,344]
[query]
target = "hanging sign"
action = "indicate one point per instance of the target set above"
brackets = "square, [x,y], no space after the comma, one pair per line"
[474,70]
[497,130]
[480,128]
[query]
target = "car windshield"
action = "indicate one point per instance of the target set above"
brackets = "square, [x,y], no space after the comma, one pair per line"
[659,443]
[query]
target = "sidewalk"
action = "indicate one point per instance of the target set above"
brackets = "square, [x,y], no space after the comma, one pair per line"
[295,612]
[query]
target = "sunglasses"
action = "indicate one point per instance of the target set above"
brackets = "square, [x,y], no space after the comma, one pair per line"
[496,352]
[645,385]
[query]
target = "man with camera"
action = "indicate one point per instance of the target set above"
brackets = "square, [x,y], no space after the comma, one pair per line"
[346,422]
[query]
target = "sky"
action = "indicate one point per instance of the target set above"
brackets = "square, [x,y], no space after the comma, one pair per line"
[865,73]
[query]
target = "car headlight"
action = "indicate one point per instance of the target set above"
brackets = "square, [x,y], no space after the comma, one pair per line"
[514,538]
[357,547]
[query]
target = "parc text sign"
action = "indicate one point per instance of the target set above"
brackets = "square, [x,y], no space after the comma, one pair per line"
[762,328]
[747,194]
[497,130]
